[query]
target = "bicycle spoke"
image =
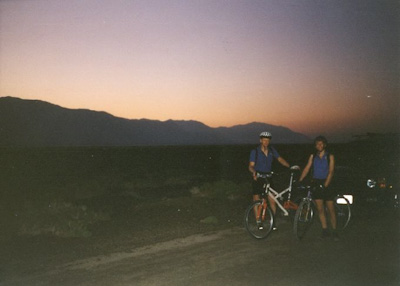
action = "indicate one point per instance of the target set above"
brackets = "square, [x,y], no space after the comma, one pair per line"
[258,220]
[303,219]
[343,212]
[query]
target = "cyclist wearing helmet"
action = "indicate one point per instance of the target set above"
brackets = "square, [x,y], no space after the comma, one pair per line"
[260,162]
[322,166]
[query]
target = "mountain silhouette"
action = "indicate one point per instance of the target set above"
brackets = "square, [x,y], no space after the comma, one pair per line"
[39,123]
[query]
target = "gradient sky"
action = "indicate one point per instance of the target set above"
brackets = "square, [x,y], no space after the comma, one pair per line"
[329,67]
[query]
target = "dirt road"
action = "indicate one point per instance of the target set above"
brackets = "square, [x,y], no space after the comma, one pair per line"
[367,254]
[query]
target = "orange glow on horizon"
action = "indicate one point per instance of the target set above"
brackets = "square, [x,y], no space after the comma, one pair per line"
[219,64]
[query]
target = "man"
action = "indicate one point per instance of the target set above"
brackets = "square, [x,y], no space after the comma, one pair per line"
[260,162]
[323,165]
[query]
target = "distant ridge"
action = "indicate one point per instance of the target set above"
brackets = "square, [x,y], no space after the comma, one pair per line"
[39,123]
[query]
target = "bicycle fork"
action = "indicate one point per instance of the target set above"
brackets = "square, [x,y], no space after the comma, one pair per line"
[261,211]
[306,212]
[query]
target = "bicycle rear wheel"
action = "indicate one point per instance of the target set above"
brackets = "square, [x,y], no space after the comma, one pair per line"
[343,212]
[262,227]
[303,219]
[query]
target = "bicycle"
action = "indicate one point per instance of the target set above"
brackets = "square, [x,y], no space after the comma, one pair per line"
[259,219]
[303,218]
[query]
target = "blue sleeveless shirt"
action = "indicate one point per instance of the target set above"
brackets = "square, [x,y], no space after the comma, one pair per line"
[321,166]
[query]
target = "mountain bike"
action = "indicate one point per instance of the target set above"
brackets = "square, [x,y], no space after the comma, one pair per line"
[304,216]
[259,219]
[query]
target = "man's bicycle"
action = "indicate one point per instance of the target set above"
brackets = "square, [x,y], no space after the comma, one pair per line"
[304,216]
[259,219]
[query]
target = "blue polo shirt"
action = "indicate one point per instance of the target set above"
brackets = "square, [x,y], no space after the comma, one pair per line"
[264,163]
[321,166]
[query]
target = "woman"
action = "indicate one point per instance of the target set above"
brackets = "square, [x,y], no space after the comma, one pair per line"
[322,166]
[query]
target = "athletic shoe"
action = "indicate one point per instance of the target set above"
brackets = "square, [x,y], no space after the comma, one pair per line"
[324,234]
[335,236]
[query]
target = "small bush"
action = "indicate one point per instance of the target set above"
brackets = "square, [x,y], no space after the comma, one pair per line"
[220,189]
[60,219]
[209,220]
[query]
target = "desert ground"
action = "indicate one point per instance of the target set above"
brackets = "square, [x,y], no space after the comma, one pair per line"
[99,217]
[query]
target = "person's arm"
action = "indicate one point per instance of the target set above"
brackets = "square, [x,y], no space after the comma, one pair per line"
[306,168]
[283,162]
[252,164]
[252,170]
[331,170]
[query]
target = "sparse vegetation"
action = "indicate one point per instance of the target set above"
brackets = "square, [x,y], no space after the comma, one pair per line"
[222,189]
[205,185]
[209,220]
[59,219]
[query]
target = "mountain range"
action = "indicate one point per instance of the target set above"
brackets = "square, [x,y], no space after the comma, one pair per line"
[38,123]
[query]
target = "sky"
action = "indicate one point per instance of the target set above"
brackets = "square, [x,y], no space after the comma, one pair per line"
[316,67]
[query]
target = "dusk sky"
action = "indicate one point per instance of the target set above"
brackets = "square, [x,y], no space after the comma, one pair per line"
[329,67]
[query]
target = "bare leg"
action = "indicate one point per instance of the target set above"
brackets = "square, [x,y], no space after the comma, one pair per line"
[332,214]
[255,198]
[272,203]
[321,213]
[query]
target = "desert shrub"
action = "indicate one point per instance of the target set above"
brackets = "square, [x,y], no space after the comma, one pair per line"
[59,219]
[210,220]
[144,188]
[223,189]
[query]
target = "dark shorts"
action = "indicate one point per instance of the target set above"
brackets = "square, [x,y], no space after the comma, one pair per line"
[258,186]
[318,193]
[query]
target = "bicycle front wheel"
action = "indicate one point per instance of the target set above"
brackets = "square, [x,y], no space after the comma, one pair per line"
[343,212]
[303,219]
[258,220]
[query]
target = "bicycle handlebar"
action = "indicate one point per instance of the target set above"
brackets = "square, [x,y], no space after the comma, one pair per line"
[293,169]
[308,187]
[264,176]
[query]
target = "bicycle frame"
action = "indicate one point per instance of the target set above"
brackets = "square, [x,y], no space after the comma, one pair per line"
[259,219]
[288,204]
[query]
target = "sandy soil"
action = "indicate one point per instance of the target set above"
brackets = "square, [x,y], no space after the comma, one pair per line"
[368,253]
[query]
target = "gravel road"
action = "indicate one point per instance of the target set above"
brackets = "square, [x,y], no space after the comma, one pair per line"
[367,254]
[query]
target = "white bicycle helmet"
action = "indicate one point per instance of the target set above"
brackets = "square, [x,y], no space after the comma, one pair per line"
[265,134]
